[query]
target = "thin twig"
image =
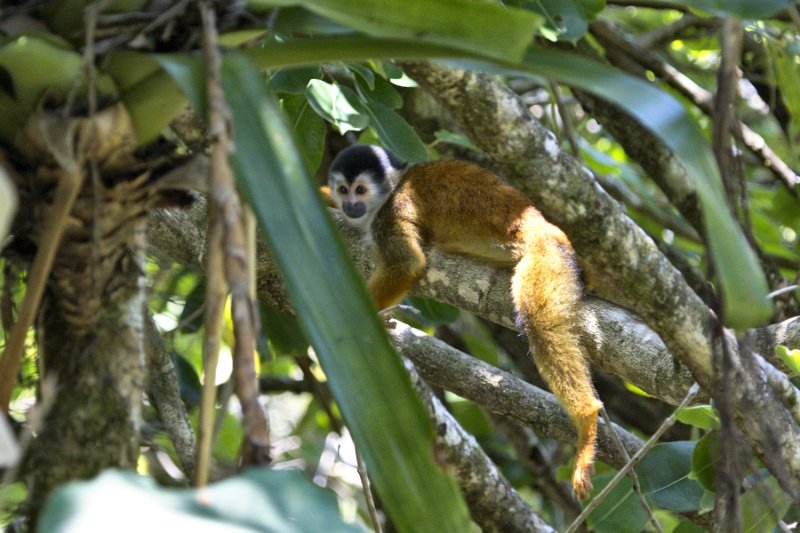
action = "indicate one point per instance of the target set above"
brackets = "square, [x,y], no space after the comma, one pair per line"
[603,494]
[367,489]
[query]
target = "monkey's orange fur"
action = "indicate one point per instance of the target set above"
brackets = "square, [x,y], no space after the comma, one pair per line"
[462,208]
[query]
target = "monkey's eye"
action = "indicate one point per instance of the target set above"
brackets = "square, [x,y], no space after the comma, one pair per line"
[342,189]
[361,189]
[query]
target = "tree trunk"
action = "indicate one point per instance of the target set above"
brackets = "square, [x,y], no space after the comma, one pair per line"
[91,318]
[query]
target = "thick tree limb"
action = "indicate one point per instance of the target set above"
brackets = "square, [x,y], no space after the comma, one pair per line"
[499,391]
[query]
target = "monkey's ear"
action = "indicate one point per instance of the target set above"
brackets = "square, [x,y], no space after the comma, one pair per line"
[327,197]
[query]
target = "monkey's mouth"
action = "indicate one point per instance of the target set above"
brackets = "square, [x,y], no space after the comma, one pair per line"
[354,210]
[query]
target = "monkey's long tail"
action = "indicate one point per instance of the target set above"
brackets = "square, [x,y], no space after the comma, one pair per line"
[547,294]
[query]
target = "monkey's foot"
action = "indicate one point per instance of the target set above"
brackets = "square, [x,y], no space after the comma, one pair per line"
[582,480]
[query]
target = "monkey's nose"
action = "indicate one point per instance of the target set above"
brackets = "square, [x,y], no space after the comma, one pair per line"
[354,209]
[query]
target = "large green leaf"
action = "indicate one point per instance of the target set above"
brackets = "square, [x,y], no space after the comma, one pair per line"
[365,375]
[257,500]
[33,65]
[664,477]
[338,105]
[482,27]
[620,511]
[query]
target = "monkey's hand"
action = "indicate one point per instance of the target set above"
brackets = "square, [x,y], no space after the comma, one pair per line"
[582,479]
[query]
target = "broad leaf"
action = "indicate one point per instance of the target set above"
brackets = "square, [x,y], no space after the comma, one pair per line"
[257,500]
[481,27]
[701,416]
[396,134]
[704,460]
[664,477]
[620,511]
[308,128]
[790,358]
[338,105]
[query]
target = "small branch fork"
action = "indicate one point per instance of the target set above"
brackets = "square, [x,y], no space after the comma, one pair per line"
[229,265]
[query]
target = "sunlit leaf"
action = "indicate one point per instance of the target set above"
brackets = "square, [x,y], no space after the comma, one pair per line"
[701,416]
[791,358]
[483,27]
[338,105]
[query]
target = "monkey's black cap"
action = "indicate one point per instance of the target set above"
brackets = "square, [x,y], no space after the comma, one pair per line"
[357,159]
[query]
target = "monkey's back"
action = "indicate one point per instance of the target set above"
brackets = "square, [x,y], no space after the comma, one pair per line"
[460,207]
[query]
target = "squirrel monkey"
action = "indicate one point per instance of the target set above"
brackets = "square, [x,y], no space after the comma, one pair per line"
[461,208]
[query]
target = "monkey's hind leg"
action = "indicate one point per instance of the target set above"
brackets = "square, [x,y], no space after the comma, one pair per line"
[547,296]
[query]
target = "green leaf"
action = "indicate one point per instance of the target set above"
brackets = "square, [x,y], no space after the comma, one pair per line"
[704,460]
[457,139]
[763,505]
[365,375]
[396,134]
[292,80]
[380,91]
[620,511]
[435,313]
[566,19]
[482,27]
[365,73]
[308,128]
[338,105]
[32,65]
[257,500]
[701,416]
[791,358]
[664,477]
